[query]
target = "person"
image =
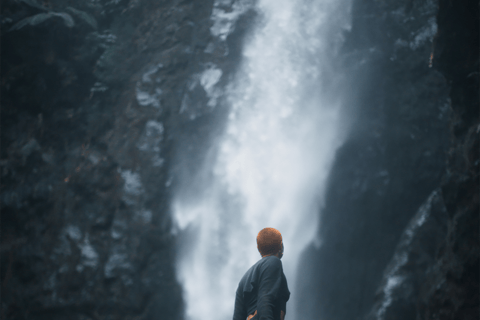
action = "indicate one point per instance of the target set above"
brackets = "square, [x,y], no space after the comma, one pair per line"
[262,293]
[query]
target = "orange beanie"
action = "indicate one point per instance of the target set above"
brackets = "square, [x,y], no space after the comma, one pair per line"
[269,241]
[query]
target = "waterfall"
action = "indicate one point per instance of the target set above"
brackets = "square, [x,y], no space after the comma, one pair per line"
[269,167]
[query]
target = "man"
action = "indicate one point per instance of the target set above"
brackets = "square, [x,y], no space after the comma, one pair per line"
[262,294]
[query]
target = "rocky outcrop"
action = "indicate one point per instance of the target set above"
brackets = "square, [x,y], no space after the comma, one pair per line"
[444,284]
[393,160]
[452,290]
[380,178]
[93,105]
[404,283]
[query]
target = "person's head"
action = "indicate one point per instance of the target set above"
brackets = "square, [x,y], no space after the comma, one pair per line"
[269,242]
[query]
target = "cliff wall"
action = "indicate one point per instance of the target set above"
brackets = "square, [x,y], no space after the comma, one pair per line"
[91,94]
[393,160]
[399,228]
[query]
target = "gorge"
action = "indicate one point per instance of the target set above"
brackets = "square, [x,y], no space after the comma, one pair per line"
[144,143]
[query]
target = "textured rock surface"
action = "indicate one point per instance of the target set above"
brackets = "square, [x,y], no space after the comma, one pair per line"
[440,276]
[404,282]
[452,290]
[395,157]
[90,101]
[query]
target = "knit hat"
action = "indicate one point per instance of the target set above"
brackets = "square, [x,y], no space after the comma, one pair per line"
[269,241]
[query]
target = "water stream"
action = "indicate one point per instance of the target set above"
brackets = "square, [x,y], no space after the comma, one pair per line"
[269,167]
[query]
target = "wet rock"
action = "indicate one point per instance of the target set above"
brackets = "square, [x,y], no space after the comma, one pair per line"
[82,160]
[453,291]
[405,277]
[30,147]
[392,159]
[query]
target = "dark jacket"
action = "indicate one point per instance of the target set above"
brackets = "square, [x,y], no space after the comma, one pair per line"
[263,288]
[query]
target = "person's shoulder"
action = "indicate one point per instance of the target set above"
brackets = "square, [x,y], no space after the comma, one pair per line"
[271,262]
[252,270]
[272,259]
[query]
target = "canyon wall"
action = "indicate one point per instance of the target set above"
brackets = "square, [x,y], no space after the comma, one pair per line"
[87,144]
[399,228]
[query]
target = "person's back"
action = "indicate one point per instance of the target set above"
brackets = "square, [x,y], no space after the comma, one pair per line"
[263,291]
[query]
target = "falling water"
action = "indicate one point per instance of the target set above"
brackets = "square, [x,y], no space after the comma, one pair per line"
[270,166]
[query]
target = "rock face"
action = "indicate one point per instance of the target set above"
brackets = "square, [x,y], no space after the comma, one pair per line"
[393,160]
[438,275]
[382,257]
[93,105]
[452,288]
[404,282]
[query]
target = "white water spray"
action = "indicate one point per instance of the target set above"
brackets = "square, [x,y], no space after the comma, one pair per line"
[270,166]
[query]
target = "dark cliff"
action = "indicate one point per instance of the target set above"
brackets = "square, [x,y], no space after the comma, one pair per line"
[438,275]
[451,289]
[400,225]
[86,154]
